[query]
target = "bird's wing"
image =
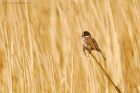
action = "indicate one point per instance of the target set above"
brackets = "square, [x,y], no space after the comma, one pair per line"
[89,42]
[95,44]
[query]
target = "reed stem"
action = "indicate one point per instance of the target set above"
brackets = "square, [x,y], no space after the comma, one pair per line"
[105,73]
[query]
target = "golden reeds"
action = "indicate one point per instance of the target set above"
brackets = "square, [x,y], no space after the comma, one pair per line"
[40,48]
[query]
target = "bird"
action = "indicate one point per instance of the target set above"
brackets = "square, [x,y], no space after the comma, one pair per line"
[89,43]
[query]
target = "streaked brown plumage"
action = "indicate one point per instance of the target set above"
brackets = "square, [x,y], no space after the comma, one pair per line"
[89,43]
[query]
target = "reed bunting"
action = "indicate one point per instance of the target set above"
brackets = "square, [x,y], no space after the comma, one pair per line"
[89,43]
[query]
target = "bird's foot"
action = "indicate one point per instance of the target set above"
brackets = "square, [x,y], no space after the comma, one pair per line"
[89,52]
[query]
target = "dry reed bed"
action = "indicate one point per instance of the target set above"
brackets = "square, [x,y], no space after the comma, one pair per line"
[41,52]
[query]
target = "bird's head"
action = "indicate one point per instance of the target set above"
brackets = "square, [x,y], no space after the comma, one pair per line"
[86,34]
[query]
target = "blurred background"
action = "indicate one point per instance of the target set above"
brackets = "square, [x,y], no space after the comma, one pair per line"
[41,51]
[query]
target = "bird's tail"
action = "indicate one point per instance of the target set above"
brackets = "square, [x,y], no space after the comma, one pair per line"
[99,50]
